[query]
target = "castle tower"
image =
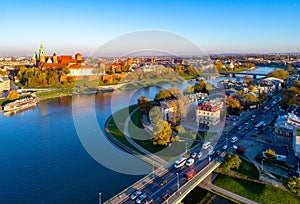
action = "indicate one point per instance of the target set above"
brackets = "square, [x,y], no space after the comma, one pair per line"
[55,58]
[42,57]
[34,58]
[78,56]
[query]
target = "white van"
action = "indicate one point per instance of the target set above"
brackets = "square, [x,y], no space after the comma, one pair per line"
[179,162]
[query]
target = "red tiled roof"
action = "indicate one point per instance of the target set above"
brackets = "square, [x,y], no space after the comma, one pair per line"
[208,107]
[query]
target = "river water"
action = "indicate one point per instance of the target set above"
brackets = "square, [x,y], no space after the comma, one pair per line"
[43,160]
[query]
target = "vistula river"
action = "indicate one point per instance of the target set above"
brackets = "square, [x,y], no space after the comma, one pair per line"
[44,161]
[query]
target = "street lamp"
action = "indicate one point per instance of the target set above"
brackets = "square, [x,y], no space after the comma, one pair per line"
[186,148]
[262,164]
[99,198]
[177,181]
[153,169]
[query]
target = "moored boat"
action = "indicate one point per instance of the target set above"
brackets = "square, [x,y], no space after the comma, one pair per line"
[21,104]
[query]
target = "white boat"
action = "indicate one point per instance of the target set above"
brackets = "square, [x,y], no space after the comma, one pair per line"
[21,104]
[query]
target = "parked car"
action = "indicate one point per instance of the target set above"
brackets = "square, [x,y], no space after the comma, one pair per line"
[190,162]
[141,198]
[240,127]
[246,123]
[135,194]
[225,147]
[234,139]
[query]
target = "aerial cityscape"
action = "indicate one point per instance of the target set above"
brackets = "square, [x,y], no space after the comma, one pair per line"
[150,102]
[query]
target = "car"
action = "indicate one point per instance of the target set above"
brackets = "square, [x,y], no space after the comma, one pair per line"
[141,198]
[260,141]
[162,182]
[247,128]
[166,196]
[148,201]
[194,155]
[234,139]
[199,155]
[189,162]
[243,135]
[240,127]
[246,123]
[135,194]
[225,147]
[211,152]
[206,145]
[252,119]
[253,116]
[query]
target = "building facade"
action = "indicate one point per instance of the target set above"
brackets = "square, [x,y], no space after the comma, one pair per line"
[4,84]
[208,113]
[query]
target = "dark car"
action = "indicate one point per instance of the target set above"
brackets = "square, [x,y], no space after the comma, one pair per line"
[162,182]
[166,196]
[148,201]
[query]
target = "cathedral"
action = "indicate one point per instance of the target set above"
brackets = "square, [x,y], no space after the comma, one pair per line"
[45,61]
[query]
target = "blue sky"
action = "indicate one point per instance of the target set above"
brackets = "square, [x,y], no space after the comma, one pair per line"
[215,26]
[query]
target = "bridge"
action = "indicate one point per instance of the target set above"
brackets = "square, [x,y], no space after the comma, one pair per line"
[233,74]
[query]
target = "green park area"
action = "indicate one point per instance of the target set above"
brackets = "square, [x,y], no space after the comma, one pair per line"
[258,192]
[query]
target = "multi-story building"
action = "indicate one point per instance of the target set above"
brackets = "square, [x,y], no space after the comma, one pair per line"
[208,113]
[284,130]
[296,142]
[4,84]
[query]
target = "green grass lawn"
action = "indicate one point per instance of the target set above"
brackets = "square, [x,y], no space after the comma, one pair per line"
[257,192]
[247,169]
[115,125]
[144,139]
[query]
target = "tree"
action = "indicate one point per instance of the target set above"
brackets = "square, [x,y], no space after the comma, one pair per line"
[251,88]
[262,96]
[13,95]
[155,115]
[233,105]
[189,89]
[144,103]
[219,65]
[248,80]
[279,73]
[231,161]
[251,98]
[293,184]
[290,68]
[271,155]
[162,136]
[200,86]
[163,94]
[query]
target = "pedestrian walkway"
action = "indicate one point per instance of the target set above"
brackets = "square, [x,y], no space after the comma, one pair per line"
[212,188]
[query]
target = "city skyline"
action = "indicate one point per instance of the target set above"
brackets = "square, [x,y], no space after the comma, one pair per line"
[214,26]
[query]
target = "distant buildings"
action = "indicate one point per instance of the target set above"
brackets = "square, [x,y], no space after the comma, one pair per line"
[4,84]
[208,113]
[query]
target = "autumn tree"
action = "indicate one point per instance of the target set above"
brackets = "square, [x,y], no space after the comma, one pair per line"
[279,73]
[163,95]
[200,87]
[293,184]
[189,89]
[144,103]
[13,95]
[233,105]
[262,96]
[231,161]
[162,136]
[271,155]
[219,65]
[248,80]
[155,115]
[290,69]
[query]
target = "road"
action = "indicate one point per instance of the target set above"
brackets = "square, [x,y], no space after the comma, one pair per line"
[151,187]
